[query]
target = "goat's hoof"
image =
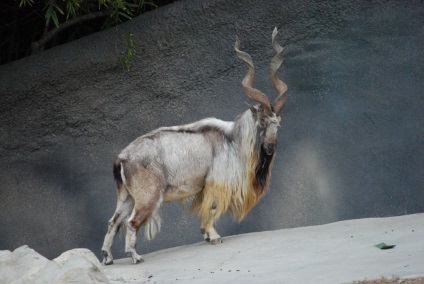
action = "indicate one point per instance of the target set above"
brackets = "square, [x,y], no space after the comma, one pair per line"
[106,259]
[138,260]
[206,236]
[216,241]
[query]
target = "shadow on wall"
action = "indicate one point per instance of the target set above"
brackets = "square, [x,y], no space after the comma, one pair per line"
[50,202]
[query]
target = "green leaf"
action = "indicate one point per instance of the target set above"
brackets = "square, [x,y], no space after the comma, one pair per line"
[124,15]
[58,8]
[55,19]
[26,2]
[48,14]
[72,6]
[131,5]
[130,53]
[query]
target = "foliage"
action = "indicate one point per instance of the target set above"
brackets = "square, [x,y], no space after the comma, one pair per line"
[130,53]
[57,11]
[30,26]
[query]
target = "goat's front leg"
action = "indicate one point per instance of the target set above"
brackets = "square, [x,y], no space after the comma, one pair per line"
[211,235]
[207,226]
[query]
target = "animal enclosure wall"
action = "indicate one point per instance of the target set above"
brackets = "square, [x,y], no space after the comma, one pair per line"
[351,143]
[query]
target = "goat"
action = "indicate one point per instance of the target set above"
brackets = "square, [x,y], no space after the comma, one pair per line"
[218,165]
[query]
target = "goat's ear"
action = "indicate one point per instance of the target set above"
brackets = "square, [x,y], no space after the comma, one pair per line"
[252,109]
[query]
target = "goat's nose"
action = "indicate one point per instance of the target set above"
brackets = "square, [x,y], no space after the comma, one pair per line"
[271,148]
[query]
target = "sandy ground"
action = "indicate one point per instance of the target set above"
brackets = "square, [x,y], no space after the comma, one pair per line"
[340,252]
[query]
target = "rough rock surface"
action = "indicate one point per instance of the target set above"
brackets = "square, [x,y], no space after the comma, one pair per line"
[350,146]
[25,265]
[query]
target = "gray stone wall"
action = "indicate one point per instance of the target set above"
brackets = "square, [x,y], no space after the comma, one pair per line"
[351,143]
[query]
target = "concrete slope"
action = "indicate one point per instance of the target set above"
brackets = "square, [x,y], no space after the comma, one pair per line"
[339,252]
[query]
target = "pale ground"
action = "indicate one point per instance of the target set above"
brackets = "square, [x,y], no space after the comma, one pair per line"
[340,252]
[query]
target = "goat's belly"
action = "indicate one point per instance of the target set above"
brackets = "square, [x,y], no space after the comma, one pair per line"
[181,192]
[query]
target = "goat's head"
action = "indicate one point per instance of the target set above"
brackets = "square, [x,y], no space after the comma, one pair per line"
[267,115]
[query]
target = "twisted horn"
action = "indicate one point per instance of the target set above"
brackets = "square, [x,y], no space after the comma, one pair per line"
[279,85]
[247,82]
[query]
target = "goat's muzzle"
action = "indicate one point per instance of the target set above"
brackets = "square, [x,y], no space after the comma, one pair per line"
[270,149]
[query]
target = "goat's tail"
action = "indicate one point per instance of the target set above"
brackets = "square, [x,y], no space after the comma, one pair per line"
[118,173]
[153,226]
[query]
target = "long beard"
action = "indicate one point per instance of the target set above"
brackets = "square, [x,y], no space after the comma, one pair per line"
[263,170]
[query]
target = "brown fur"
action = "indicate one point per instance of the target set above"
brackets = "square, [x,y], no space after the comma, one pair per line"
[147,201]
[238,201]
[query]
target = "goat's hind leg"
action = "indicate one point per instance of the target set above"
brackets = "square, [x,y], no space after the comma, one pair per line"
[131,237]
[141,215]
[125,204]
[145,209]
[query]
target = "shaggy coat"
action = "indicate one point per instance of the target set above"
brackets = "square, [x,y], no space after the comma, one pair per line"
[218,166]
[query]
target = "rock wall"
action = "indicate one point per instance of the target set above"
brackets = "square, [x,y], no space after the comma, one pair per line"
[350,146]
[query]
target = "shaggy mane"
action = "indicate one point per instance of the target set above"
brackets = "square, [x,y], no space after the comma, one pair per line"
[246,178]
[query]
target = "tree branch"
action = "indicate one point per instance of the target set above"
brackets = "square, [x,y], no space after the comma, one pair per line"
[38,45]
